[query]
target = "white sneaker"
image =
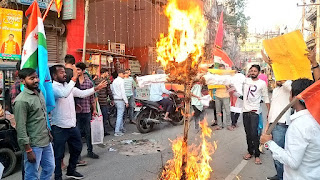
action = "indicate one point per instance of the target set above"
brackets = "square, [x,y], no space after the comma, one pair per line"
[118,134]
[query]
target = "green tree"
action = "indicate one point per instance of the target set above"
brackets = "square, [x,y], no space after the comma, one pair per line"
[236,18]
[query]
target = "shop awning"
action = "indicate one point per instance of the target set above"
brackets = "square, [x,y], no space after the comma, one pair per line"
[106,52]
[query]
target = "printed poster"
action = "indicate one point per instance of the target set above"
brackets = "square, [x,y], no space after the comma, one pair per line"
[10,34]
[287,53]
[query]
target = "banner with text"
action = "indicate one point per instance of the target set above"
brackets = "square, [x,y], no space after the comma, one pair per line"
[10,34]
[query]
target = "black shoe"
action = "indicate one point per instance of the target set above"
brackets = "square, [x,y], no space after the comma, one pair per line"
[81,163]
[74,175]
[106,134]
[59,178]
[273,178]
[214,124]
[93,155]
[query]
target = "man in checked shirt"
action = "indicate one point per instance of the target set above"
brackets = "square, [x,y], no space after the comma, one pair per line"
[84,107]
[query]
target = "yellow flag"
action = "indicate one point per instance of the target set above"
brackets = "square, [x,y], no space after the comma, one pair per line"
[58,6]
[287,53]
[220,72]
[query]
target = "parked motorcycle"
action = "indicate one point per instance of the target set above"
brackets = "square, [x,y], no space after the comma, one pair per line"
[8,147]
[152,113]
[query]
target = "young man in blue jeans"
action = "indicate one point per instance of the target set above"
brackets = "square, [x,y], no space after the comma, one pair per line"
[34,137]
[280,99]
[121,102]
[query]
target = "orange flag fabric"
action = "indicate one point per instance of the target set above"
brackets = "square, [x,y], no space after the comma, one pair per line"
[224,56]
[311,97]
[58,6]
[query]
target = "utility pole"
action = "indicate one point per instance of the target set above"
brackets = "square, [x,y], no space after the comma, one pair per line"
[303,16]
[318,33]
[317,30]
[86,11]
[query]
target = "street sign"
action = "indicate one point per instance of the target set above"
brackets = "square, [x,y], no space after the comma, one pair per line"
[69,9]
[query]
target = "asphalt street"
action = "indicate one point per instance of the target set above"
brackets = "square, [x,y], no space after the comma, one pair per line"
[136,156]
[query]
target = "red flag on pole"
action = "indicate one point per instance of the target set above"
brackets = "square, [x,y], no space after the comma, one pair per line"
[311,97]
[219,36]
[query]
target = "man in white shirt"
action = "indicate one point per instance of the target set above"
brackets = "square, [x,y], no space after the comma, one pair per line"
[63,120]
[254,90]
[236,104]
[121,102]
[280,99]
[156,92]
[301,155]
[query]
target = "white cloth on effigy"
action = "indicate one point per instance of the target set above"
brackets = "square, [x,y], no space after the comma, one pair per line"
[235,80]
[149,79]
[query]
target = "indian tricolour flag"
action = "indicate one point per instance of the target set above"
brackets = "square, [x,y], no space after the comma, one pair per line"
[35,54]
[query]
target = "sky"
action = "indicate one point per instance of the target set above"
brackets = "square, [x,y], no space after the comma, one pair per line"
[266,15]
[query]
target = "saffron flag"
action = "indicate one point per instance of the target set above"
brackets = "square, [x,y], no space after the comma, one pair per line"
[219,36]
[224,57]
[311,97]
[58,6]
[35,54]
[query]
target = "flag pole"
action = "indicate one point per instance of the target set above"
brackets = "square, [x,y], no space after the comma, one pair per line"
[47,11]
[273,125]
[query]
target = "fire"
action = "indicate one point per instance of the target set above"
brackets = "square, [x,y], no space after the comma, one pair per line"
[199,157]
[180,52]
[186,33]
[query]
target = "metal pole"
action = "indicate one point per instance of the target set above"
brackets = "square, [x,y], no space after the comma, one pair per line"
[303,16]
[298,5]
[317,32]
[86,11]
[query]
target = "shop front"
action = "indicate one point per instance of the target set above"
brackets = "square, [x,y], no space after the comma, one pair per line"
[13,27]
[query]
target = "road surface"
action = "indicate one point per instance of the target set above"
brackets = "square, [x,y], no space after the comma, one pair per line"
[141,156]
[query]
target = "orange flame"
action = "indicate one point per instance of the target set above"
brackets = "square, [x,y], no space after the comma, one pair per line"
[186,34]
[199,157]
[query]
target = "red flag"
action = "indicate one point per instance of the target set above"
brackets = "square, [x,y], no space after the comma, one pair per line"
[311,97]
[219,36]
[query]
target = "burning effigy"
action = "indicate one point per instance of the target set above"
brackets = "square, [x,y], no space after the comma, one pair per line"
[180,53]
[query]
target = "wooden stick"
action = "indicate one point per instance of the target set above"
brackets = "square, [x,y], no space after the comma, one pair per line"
[281,114]
[47,11]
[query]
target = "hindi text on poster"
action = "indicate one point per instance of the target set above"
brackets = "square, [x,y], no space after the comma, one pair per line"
[10,34]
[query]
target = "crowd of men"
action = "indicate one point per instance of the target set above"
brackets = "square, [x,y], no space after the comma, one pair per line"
[295,140]
[76,96]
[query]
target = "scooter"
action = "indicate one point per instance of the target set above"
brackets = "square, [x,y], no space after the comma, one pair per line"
[152,113]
